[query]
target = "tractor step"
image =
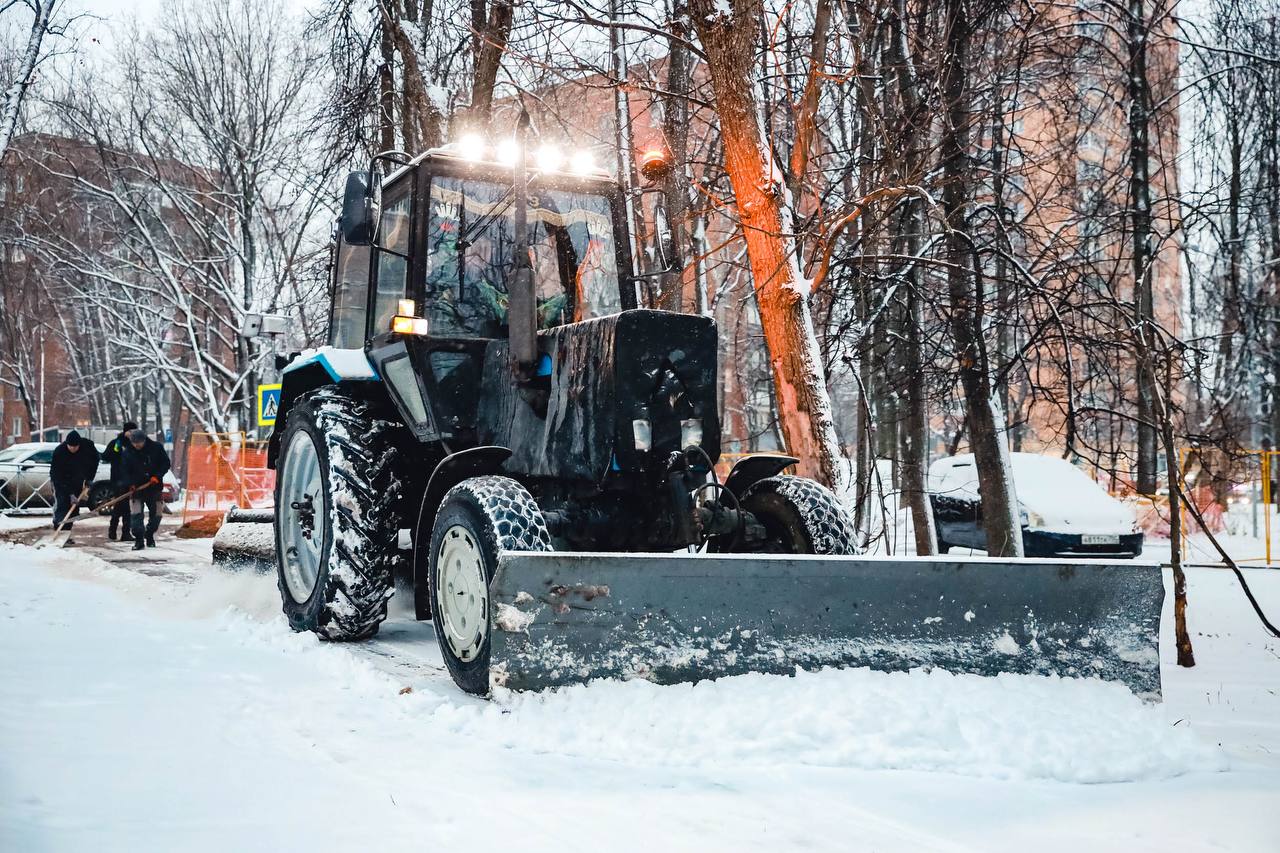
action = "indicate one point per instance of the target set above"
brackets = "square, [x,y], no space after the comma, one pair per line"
[566,618]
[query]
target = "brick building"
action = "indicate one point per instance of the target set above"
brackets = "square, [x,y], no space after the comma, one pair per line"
[60,350]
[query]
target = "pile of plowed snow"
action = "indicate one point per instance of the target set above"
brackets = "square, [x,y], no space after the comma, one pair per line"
[1014,726]
[1011,727]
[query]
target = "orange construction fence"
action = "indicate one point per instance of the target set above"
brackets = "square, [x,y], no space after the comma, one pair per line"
[226,470]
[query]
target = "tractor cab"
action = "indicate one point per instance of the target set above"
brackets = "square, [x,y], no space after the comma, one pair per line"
[496,299]
[426,265]
[445,239]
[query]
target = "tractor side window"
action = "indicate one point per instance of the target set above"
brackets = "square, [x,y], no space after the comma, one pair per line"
[469,245]
[393,259]
[350,296]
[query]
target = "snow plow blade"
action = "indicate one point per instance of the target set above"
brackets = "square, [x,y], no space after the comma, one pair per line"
[566,618]
[246,541]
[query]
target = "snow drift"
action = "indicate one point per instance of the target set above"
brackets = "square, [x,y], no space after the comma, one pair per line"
[1010,727]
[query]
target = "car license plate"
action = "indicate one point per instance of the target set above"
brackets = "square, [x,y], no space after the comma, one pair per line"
[1100,539]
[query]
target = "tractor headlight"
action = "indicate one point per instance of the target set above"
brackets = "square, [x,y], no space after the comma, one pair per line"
[583,162]
[549,158]
[508,152]
[691,432]
[471,147]
[402,325]
[642,433]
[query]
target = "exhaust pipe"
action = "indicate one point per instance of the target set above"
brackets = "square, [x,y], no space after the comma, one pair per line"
[522,315]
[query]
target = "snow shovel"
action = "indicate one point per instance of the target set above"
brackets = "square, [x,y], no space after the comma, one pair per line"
[60,536]
[117,499]
[565,618]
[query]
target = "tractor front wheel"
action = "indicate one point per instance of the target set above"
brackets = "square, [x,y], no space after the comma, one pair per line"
[478,519]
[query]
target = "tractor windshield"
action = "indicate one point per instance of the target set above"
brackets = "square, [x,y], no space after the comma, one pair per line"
[470,244]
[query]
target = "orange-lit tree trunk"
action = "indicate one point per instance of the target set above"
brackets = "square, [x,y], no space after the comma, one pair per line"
[727,33]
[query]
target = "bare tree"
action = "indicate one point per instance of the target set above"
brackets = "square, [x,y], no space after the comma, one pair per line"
[198,194]
[34,51]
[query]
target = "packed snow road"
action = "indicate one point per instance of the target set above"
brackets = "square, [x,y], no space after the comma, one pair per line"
[163,705]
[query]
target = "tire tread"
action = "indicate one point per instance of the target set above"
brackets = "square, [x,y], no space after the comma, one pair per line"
[364,523]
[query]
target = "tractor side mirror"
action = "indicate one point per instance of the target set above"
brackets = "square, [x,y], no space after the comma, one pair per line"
[361,208]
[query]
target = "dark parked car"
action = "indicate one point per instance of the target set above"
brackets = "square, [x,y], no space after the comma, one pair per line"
[1064,512]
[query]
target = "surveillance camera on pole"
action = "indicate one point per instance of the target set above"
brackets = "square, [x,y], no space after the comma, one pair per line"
[269,326]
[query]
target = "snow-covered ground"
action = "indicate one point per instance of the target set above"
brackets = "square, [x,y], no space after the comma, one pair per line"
[164,705]
[11,523]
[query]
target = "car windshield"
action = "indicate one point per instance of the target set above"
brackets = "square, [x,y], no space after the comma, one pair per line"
[12,454]
[470,242]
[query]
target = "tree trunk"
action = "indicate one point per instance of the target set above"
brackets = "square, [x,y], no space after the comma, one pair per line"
[1182,638]
[914,449]
[387,92]
[622,144]
[804,406]
[1140,218]
[915,434]
[491,45]
[421,122]
[675,127]
[987,439]
[16,92]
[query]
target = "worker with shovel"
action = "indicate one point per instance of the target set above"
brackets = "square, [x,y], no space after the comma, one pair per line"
[114,454]
[144,465]
[74,465]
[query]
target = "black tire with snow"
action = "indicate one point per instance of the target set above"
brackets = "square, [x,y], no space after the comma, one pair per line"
[361,495]
[498,514]
[800,516]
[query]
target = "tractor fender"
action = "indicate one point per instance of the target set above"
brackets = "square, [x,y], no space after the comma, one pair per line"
[293,385]
[750,470]
[451,471]
[307,372]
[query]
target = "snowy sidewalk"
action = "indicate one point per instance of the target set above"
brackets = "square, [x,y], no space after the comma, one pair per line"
[144,713]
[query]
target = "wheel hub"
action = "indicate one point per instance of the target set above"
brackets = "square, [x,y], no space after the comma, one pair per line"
[462,593]
[302,527]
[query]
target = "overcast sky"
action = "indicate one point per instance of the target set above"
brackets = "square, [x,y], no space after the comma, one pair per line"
[112,15]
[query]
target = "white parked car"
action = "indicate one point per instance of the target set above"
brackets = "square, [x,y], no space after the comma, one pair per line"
[24,478]
[1064,512]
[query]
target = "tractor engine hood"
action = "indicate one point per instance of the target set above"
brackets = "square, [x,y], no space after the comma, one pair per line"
[616,393]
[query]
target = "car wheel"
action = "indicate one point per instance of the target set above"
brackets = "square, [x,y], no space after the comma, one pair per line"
[100,494]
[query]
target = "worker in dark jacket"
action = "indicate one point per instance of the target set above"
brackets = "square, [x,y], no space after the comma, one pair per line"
[115,455]
[144,465]
[74,465]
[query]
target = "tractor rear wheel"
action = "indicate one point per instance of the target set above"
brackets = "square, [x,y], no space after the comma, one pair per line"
[337,523]
[478,519]
[799,516]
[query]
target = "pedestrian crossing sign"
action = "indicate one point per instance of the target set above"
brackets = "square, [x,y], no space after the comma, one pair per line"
[268,404]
